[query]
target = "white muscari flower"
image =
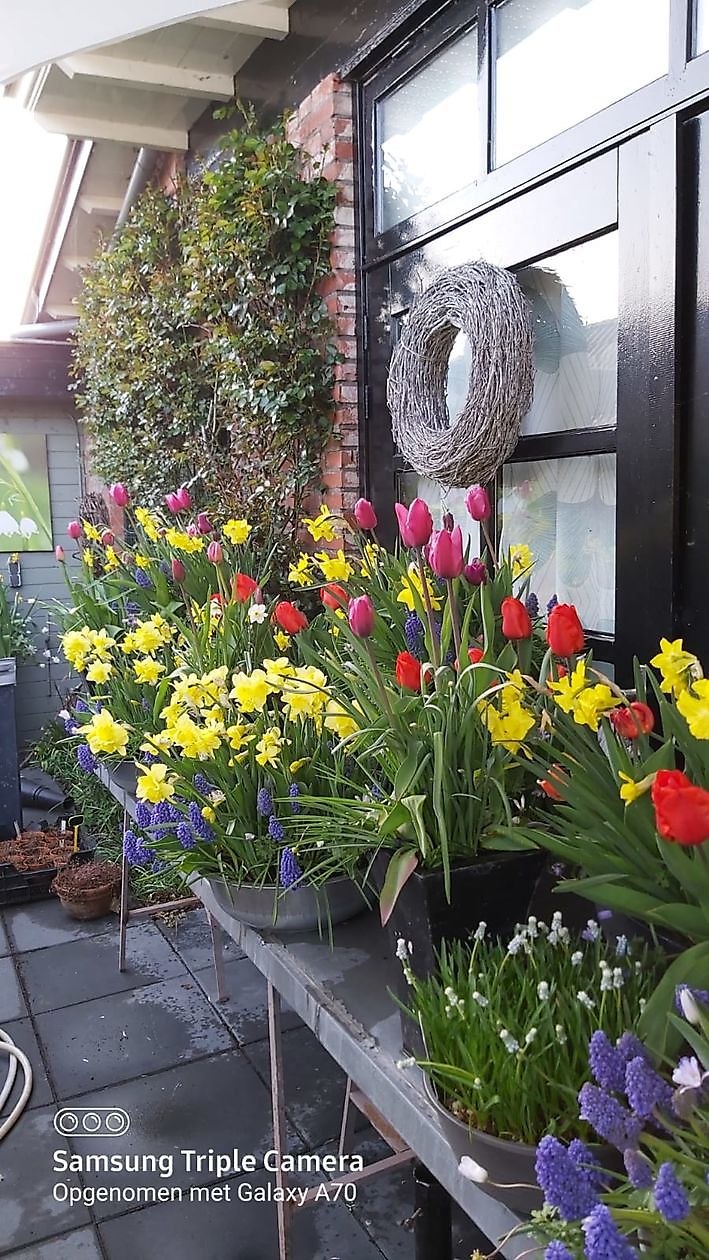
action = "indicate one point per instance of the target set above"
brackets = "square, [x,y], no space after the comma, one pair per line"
[480,999]
[257,614]
[560,1034]
[529,1038]
[509,1042]
[577,958]
[543,991]
[585,1000]
[402,952]
[606,980]
[472,1171]
[642,1004]
[477,1083]
[622,946]
[532,929]
[618,978]
[516,944]
[406,1063]
[592,930]
[479,933]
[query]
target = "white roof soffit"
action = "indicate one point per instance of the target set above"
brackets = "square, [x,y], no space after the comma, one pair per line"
[39,31]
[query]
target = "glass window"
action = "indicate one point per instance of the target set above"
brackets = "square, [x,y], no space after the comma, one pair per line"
[559,61]
[574,301]
[441,499]
[564,509]
[427,133]
[701,27]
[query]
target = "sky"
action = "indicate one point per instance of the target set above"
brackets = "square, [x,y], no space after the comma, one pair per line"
[31,158]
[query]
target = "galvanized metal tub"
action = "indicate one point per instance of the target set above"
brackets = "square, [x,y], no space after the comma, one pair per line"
[302,908]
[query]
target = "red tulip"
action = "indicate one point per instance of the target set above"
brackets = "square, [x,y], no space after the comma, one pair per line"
[334,596]
[215,552]
[360,614]
[107,538]
[173,503]
[516,621]
[243,587]
[408,671]
[289,618]
[119,494]
[184,498]
[204,525]
[59,554]
[74,530]
[564,631]
[365,515]
[475,572]
[415,523]
[632,721]
[445,553]
[477,501]
[475,654]
[551,786]
[681,808]
[179,572]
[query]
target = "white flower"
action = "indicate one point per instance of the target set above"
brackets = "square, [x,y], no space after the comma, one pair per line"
[508,1041]
[592,930]
[8,524]
[621,946]
[479,932]
[472,1171]
[46,653]
[216,797]
[690,1010]
[28,527]
[688,1073]
[585,1000]
[560,1034]
[406,1063]
[577,958]
[642,1004]
[44,630]
[532,929]
[543,991]
[480,999]
[529,1038]
[64,714]
[55,660]
[402,952]
[606,978]
[257,614]
[516,944]
[618,978]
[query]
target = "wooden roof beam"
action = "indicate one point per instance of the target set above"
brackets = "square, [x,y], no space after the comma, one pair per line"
[247,18]
[152,76]
[121,130]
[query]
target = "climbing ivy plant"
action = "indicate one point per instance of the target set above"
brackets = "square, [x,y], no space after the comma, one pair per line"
[204,351]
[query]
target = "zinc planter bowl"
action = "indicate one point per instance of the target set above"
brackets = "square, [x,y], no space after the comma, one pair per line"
[302,908]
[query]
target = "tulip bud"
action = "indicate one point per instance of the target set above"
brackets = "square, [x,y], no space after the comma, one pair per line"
[365,515]
[477,501]
[690,1008]
[59,554]
[475,572]
[192,531]
[448,521]
[119,494]
[179,572]
[215,552]
[184,498]
[107,538]
[415,523]
[172,503]
[516,621]
[73,529]
[204,525]
[445,553]
[360,614]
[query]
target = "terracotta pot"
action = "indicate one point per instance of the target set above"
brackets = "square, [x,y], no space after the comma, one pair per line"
[92,904]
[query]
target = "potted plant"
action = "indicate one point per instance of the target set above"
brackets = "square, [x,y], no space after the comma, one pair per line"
[506,1026]
[87,891]
[15,645]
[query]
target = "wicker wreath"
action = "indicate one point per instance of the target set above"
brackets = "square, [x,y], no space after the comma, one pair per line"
[487,304]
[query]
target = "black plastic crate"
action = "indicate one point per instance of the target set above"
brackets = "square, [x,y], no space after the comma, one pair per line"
[18,887]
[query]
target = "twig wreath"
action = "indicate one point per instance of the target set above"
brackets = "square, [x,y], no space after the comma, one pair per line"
[487,304]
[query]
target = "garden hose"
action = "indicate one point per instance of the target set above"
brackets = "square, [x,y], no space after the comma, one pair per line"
[8,1047]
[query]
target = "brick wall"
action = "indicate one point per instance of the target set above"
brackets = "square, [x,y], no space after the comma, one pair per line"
[322,127]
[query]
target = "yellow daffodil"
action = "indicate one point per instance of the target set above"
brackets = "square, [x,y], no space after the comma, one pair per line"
[163,626]
[155,784]
[76,645]
[592,703]
[631,791]
[251,691]
[304,694]
[339,720]
[87,557]
[150,525]
[236,531]
[129,645]
[335,568]
[147,637]
[370,556]
[521,559]
[159,741]
[142,562]
[694,706]
[171,712]
[510,726]
[111,560]
[239,735]
[99,672]
[208,813]
[148,670]
[101,643]
[675,665]
[91,531]
[566,689]
[269,747]
[181,541]
[295,766]
[300,572]
[104,734]
[278,670]
[411,585]
[195,741]
[322,526]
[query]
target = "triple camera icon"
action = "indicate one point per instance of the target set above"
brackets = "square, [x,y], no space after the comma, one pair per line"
[102,1122]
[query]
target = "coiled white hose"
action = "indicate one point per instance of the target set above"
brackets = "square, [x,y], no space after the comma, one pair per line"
[8,1047]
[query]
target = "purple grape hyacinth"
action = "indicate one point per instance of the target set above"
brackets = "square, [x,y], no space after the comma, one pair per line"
[289,871]
[137,853]
[565,1186]
[275,829]
[638,1168]
[414,635]
[86,759]
[557,1251]
[264,802]
[670,1195]
[611,1120]
[164,817]
[186,836]
[143,815]
[294,793]
[202,784]
[142,579]
[606,1062]
[604,1240]
[531,603]
[199,823]
[645,1088]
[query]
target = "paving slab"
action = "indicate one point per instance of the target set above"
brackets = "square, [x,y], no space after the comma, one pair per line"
[189,934]
[22,1033]
[82,1244]
[4,941]
[44,923]
[29,1212]
[235,1230]
[314,1085]
[246,1008]
[12,1003]
[121,1037]
[218,1103]
[84,969]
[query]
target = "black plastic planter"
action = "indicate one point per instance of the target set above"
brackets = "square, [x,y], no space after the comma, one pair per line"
[10,809]
[494,887]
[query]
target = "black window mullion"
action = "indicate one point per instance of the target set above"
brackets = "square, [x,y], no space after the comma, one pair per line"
[565,445]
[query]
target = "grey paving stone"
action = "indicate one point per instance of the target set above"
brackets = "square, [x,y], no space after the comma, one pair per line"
[12,1003]
[218,1103]
[44,923]
[82,1244]
[245,1009]
[120,1037]
[314,1085]
[235,1230]
[190,935]
[81,970]
[29,1212]
[22,1033]
[4,942]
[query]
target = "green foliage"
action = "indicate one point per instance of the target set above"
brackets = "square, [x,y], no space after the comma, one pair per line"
[203,350]
[16,626]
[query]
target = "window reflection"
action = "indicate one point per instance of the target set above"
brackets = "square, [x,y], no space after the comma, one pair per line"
[559,61]
[427,133]
[701,27]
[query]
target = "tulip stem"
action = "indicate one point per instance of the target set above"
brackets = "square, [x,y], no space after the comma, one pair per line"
[489,543]
[452,604]
[380,682]
[435,652]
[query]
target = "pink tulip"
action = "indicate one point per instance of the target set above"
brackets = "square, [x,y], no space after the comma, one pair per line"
[360,614]
[173,503]
[415,523]
[179,572]
[119,494]
[445,554]
[365,515]
[184,498]
[477,501]
[107,538]
[192,531]
[215,552]
[73,529]
[204,525]
[475,572]
[59,554]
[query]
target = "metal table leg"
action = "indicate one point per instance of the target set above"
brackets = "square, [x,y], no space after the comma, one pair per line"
[278,1105]
[432,1217]
[123,920]
[218,955]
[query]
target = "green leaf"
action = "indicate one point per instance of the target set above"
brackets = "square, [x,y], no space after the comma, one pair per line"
[401,867]
[655,1027]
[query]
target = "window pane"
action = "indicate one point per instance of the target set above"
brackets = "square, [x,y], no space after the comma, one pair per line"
[440,500]
[564,509]
[427,133]
[559,61]
[574,301]
[701,27]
